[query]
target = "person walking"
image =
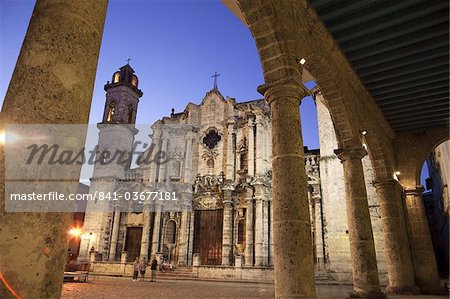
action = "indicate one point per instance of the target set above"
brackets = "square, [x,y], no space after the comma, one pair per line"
[142,267]
[153,267]
[136,266]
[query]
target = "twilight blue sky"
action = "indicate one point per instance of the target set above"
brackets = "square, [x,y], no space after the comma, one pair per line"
[174,46]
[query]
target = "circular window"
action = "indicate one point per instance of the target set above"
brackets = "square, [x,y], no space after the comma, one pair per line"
[211,139]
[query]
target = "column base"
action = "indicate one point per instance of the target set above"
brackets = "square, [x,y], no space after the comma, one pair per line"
[406,291]
[368,295]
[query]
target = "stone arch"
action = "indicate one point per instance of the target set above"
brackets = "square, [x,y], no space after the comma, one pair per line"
[437,141]
[411,149]
[283,37]
[291,32]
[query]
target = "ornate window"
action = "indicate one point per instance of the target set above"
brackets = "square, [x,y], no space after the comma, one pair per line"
[130,114]
[241,231]
[116,77]
[176,169]
[134,81]
[243,161]
[211,139]
[111,110]
[171,232]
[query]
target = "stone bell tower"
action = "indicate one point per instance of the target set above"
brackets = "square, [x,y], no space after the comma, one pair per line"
[122,97]
[116,134]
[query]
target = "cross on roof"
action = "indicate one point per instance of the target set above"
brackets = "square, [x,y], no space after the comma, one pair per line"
[215,79]
[128,60]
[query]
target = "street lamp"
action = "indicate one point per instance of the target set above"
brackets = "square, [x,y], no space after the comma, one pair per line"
[75,232]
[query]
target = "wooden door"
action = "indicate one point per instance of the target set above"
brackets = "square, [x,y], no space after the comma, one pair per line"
[133,242]
[208,236]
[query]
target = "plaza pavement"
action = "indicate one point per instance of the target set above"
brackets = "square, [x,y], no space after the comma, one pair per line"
[118,287]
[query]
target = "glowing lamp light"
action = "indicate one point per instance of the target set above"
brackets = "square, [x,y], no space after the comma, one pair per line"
[302,61]
[75,232]
[11,137]
[397,173]
[364,132]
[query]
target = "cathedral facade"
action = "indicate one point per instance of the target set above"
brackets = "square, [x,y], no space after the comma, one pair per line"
[219,154]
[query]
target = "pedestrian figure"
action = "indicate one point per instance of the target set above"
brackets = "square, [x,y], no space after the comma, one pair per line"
[153,267]
[136,266]
[142,267]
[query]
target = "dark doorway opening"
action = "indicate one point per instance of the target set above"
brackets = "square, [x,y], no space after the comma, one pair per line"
[133,242]
[208,236]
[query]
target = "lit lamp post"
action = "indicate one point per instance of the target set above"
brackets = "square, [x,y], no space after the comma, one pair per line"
[74,233]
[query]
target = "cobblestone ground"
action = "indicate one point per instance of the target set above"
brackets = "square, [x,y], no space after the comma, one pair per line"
[105,287]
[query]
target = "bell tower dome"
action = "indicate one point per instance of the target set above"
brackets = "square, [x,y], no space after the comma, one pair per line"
[122,97]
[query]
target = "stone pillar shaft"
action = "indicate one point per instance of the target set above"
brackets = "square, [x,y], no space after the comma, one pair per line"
[230,152]
[251,147]
[398,253]
[52,83]
[227,228]
[271,247]
[162,166]
[249,233]
[188,158]
[265,224]
[191,237]
[362,246]
[259,232]
[182,253]
[156,231]
[294,265]
[145,239]
[259,145]
[114,236]
[422,251]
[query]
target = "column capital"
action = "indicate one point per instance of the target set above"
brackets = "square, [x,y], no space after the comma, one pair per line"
[414,190]
[350,153]
[231,123]
[250,118]
[281,89]
[386,183]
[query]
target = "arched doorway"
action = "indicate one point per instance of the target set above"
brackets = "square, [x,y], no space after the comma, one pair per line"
[435,179]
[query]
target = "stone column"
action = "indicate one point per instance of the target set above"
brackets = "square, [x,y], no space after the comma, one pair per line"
[145,239]
[422,252]
[115,235]
[162,166]
[230,151]
[271,247]
[191,236]
[182,253]
[362,247]
[260,252]
[248,261]
[188,157]
[398,253]
[48,86]
[320,256]
[265,223]
[251,145]
[227,227]
[156,231]
[294,264]
[153,166]
[259,145]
